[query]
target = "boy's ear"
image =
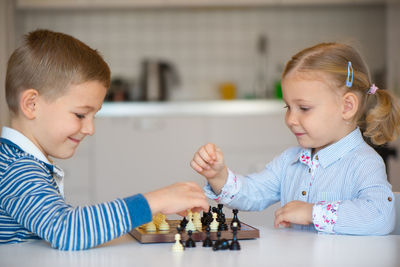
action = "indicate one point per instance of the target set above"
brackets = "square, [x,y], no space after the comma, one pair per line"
[27,103]
[350,106]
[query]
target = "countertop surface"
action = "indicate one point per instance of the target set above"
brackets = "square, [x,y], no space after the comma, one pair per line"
[192,108]
[275,247]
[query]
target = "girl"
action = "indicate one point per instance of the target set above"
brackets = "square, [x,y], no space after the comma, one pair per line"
[334,181]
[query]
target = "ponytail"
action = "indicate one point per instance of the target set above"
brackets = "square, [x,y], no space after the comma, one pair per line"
[382,117]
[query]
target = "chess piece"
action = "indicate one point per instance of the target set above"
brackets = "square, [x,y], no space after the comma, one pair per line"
[235,218]
[220,244]
[197,221]
[190,225]
[179,230]
[214,224]
[177,245]
[207,242]
[190,242]
[235,243]
[222,223]
[204,219]
[183,223]
[163,226]
[151,227]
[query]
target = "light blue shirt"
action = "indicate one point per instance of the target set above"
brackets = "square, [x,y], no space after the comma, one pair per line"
[349,172]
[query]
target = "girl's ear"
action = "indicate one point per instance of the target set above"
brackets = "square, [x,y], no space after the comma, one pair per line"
[350,105]
[27,103]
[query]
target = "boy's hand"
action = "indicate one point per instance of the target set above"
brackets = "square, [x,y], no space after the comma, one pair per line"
[177,198]
[208,161]
[297,212]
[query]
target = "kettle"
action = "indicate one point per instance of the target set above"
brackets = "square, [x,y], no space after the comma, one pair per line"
[156,80]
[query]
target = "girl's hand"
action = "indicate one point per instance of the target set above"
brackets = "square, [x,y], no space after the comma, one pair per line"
[297,212]
[208,161]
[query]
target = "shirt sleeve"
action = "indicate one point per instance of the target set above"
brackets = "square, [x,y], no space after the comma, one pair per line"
[255,191]
[29,196]
[370,212]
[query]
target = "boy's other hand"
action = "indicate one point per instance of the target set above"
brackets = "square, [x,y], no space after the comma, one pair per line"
[177,198]
[208,161]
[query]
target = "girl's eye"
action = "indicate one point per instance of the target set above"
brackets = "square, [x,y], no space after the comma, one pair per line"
[79,116]
[304,108]
[286,107]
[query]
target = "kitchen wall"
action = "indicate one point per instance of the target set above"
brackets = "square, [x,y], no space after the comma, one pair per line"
[214,45]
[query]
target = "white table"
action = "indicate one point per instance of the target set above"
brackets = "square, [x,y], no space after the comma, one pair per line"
[275,247]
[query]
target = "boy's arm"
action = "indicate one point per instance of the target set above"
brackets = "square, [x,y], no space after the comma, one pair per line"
[31,199]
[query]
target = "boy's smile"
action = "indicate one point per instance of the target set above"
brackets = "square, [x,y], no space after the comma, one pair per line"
[61,124]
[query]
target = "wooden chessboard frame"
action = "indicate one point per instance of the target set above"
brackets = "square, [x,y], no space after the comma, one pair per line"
[246,232]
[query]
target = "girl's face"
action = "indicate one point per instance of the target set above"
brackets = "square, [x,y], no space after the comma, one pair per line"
[314,110]
[61,124]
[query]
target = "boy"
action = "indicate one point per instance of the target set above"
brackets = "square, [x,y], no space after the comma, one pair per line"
[55,84]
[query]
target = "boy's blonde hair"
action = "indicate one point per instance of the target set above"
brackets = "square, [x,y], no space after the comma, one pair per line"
[378,115]
[50,62]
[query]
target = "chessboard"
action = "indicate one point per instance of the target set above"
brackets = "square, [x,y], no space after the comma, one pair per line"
[246,232]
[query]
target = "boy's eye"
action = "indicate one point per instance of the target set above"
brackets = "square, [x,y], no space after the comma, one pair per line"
[79,116]
[304,108]
[286,107]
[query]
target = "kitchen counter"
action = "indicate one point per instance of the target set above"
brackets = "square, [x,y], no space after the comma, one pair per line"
[275,247]
[192,108]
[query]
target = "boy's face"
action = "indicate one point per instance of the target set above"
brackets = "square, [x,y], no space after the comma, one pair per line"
[61,124]
[314,111]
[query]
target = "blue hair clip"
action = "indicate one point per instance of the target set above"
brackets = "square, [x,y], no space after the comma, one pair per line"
[349,82]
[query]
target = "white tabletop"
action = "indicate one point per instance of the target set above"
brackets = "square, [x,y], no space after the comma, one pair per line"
[275,247]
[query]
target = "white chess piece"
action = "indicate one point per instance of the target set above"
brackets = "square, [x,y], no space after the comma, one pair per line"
[190,225]
[177,246]
[151,227]
[163,226]
[197,221]
[214,224]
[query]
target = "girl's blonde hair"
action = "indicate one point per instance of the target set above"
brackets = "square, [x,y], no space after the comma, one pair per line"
[51,62]
[378,115]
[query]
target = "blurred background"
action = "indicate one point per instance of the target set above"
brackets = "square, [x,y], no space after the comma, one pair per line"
[176,63]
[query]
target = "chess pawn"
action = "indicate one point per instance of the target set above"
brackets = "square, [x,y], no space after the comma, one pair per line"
[151,227]
[190,242]
[214,224]
[207,242]
[234,244]
[177,245]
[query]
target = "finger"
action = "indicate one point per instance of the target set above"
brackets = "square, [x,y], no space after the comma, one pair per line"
[201,161]
[211,150]
[205,155]
[196,166]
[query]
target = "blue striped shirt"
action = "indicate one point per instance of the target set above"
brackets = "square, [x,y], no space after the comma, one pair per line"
[32,207]
[349,172]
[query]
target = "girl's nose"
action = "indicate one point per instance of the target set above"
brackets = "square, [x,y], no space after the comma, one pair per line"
[291,118]
[88,127]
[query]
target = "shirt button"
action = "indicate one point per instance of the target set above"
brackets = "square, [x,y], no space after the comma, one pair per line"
[304,193]
[309,170]
[316,157]
[389,199]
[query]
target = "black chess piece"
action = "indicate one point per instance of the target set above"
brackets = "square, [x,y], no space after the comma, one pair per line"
[204,219]
[235,243]
[220,244]
[190,242]
[183,223]
[207,242]
[222,226]
[235,218]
